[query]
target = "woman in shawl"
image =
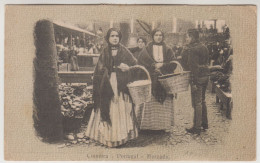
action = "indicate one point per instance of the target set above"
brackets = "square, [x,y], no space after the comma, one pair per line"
[112,120]
[141,42]
[156,57]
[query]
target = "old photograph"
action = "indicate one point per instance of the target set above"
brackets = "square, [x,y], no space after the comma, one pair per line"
[131,82]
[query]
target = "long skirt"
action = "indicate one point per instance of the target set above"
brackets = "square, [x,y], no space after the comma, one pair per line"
[122,117]
[156,116]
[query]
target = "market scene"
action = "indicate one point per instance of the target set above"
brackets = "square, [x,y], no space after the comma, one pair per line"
[135,83]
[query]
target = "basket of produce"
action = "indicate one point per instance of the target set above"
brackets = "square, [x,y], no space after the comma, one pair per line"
[74,103]
[176,82]
[140,90]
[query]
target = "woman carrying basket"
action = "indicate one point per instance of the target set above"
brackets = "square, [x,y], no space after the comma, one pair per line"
[112,121]
[156,57]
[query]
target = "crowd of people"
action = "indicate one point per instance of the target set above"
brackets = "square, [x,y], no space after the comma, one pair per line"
[221,58]
[115,119]
[67,51]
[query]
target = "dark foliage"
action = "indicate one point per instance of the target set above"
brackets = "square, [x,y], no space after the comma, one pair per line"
[47,114]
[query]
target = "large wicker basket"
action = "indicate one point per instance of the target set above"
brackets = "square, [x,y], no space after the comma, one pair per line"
[141,93]
[174,83]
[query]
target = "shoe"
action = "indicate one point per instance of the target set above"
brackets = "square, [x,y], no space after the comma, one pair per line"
[193,130]
[205,127]
[203,130]
[167,131]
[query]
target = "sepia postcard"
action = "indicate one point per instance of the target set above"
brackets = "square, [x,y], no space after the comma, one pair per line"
[110,82]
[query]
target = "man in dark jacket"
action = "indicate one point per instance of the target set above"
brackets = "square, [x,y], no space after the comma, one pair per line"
[196,56]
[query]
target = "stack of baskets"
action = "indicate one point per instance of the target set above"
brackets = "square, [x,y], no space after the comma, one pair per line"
[174,83]
[141,91]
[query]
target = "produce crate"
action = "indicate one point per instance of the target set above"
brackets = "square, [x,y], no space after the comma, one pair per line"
[76,100]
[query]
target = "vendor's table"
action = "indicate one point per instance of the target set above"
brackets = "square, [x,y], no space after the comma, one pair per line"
[225,98]
[76,76]
[87,60]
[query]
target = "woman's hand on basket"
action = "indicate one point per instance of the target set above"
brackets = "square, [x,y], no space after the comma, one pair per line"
[158,72]
[123,67]
[157,68]
[158,65]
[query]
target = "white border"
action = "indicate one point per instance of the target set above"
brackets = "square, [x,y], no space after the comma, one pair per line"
[192,2]
[200,2]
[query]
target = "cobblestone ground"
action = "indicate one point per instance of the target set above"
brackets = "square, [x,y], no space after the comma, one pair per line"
[183,117]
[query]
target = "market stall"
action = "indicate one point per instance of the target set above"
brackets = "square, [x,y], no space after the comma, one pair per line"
[75,85]
[75,46]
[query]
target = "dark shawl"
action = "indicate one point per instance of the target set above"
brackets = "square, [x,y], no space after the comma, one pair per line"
[102,89]
[146,59]
[136,51]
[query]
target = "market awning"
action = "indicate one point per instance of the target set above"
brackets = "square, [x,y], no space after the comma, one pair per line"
[73,28]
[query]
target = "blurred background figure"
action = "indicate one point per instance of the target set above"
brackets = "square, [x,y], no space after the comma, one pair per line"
[141,43]
[64,55]
[73,59]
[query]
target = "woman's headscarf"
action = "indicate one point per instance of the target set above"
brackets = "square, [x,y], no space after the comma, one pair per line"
[110,31]
[153,33]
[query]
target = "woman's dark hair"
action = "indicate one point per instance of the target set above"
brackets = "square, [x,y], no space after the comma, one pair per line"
[111,30]
[194,33]
[157,30]
[141,38]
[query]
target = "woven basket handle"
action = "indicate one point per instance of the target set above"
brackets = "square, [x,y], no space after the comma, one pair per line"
[141,67]
[178,64]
